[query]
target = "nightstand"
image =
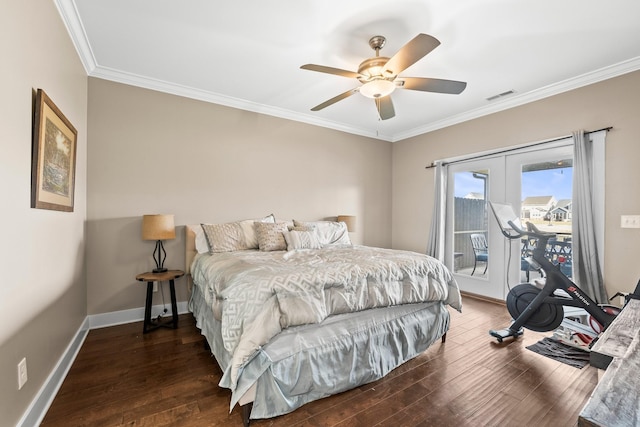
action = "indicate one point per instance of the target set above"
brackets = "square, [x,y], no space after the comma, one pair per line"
[150,277]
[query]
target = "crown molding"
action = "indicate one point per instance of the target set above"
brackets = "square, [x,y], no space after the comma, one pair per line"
[71,19]
[228,101]
[494,107]
[525,98]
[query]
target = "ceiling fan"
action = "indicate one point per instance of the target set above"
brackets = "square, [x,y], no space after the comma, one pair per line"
[379,75]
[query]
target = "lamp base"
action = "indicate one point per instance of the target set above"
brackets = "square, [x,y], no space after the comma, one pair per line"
[159,255]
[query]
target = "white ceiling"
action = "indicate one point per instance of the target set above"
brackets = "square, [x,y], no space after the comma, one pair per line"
[246,54]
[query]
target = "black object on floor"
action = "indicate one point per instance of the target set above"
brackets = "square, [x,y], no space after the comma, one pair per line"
[561,352]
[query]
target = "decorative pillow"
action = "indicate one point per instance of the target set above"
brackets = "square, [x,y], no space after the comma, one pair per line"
[231,236]
[329,232]
[250,230]
[270,236]
[227,237]
[301,240]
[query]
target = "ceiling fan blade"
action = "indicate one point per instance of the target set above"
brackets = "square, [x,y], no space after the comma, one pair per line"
[335,99]
[385,107]
[432,85]
[410,53]
[330,70]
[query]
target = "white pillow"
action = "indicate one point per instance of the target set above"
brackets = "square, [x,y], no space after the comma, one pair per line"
[202,246]
[328,232]
[301,240]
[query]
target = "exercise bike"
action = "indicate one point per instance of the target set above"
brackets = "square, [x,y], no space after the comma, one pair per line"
[540,309]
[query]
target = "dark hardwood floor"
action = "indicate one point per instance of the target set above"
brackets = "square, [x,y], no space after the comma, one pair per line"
[124,378]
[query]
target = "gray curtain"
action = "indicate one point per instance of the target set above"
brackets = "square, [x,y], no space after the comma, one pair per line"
[586,265]
[435,246]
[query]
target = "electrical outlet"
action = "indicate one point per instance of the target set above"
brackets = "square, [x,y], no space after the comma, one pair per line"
[630,221]
[22,373]
[155,286]
[621,301]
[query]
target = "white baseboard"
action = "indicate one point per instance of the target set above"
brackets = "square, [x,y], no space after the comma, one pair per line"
[38,408]
[97,321]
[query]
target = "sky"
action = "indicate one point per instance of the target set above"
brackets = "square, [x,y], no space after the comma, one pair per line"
[549,182]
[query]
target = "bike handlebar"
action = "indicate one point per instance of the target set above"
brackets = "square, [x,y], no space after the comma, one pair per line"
[532,231]
[535,232]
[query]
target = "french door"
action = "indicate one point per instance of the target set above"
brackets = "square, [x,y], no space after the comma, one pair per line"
[528,180]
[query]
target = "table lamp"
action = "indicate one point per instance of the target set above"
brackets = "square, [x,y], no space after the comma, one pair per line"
[158,228]
[350,220]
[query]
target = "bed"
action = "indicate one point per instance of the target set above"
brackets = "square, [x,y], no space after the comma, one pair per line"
[293,312]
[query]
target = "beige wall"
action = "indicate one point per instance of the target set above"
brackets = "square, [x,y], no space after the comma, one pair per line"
[151,152]
[614,102]
[43,294]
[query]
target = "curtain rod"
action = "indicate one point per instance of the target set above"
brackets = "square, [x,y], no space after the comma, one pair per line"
[508,150]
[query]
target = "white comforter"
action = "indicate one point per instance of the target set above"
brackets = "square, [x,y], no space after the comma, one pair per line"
[257,294]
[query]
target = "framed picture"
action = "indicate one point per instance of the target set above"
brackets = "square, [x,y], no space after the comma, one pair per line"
[53,163]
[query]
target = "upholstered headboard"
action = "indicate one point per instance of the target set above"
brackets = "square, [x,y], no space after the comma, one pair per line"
[189,248]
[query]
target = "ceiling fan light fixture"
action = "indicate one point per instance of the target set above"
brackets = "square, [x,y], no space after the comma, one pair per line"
[377,88]
[372,67]
[379,75]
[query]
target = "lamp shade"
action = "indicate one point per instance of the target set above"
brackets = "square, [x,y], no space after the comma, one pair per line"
[158,227]
[350,220]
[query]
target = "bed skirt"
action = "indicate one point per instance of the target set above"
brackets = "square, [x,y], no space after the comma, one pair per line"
[310,362]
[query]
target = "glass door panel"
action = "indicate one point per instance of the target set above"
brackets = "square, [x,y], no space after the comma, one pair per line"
[474,250]
[542,192]
[470,243]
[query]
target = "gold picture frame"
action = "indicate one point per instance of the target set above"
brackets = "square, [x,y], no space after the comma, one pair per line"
[53,162]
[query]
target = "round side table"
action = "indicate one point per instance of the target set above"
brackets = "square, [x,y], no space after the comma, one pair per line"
[151,277]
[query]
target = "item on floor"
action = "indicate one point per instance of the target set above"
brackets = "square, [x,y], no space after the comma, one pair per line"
[564,353]
[577,328]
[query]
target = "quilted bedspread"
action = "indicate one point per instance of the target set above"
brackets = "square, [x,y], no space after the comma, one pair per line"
[257,294]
